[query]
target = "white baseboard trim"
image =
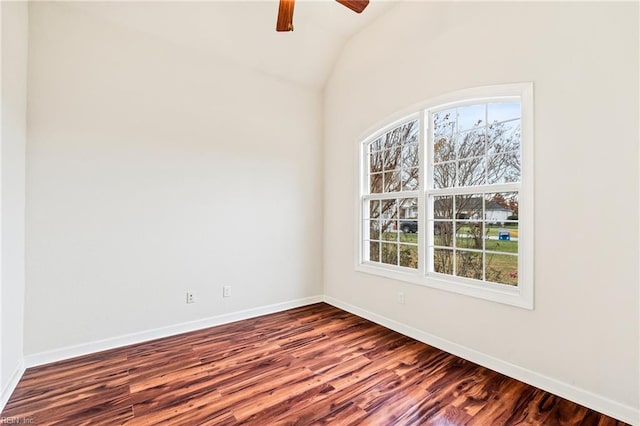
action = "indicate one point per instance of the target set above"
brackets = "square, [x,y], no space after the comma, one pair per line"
[68,352]
[580,396]
[11,385]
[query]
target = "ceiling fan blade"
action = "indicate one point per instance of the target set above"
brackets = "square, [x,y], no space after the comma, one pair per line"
[285,15]
[356,5]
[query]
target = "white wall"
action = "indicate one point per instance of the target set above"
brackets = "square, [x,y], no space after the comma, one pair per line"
[153,170]
[12,190]
[583,60]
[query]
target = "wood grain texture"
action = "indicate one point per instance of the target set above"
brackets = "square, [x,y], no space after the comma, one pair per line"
[356,5]
[310,365]
[285,15]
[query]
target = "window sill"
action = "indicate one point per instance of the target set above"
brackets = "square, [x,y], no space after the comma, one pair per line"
[508,295]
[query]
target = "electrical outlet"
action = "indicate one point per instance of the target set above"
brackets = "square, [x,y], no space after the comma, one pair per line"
[226,291]
[191,297]
[400,297]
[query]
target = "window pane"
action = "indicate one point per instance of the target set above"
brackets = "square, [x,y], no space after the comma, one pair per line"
[469,206]
[471,172]
[443,148]
[504,168]
[375,162]
[375,145]
[374,229]
[443,207]
[444,122]
[410,156]
[408,256]
[502,238]
[443,261]
[411,131]
[389,230]
[374,209]
[469,264]
[444,175]
[469,235]
[390,253]
[471,116]
[503,111]
[504,137]
[391,139]
[501,207]
[409,231]
[375,183]
[443,233]
[389,209]
[374,251]
[470,144]
[501,268]
[392,181]
[410,179]
[408,212]
[391,158]
[408,208]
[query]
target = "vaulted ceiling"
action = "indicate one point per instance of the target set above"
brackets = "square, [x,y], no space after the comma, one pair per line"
[244,31]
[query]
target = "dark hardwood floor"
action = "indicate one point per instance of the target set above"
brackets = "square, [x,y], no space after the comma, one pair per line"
[311,365]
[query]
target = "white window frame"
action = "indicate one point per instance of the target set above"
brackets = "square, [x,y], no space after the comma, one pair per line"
[521,295]
[366,196]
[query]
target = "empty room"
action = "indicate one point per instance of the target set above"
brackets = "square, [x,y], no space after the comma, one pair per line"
[319,212]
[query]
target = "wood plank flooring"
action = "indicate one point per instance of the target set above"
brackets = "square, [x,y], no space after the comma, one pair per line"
[311,365]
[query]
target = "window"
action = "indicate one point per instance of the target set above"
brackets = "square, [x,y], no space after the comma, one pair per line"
[446,196]
[391,219]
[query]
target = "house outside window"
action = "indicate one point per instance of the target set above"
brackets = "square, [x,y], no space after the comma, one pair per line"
[447,195]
